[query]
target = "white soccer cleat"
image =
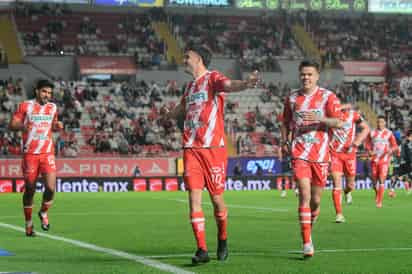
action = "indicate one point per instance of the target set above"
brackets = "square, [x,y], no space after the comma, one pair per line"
[283,194]
[340,218]
[308,250]
[348,198]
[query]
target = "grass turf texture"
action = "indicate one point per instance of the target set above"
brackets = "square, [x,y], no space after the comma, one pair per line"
[263,234]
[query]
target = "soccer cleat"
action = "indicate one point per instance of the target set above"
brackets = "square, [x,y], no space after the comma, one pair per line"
[308,250]
[222,252]
[30,231]
[44,220]
[201,256]
[348,198]
[340,218]
[392,193]
[283,194]
[379,205]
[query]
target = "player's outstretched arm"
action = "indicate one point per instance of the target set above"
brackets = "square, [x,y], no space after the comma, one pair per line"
[239,85]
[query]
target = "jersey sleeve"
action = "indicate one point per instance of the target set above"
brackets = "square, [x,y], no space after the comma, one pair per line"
[55,118]
[357,118]
[218,80]
[333,107]
[392,141]
[20,112]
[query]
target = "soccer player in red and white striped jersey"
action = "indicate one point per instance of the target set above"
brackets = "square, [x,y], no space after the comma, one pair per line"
[205,157]
[37,119]
[381,144]
[308,114]
[343,146]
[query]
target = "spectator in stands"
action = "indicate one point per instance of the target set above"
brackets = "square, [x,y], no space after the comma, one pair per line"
[71,150]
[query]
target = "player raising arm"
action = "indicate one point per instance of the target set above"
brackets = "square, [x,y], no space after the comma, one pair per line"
[205,158]
[37,119]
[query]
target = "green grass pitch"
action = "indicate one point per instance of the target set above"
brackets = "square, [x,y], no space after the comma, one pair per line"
[263,234]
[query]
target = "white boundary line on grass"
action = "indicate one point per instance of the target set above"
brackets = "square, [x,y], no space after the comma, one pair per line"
[237,206]
[276,253]
[140,259]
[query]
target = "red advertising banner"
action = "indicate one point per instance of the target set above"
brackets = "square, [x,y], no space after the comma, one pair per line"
[155,184]
[139,185]
[6,186]
[359,68]
[171,184]
[19,185]
[93,167]
[106,65]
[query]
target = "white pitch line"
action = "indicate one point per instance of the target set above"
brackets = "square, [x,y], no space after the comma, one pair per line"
[94,213]
[276,253]
[140,259]
[237,206]
[343,250]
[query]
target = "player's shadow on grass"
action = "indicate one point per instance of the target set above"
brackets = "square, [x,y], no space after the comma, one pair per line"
[295,258]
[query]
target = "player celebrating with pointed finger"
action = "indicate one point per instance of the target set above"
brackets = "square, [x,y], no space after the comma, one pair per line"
[37,119]
[204,155]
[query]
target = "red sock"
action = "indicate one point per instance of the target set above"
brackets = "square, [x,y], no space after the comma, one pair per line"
[45,206]
[198,225]
[406,185]
[381,191]
[221,221]
[337,200]
[27,214]
[305,224]
[314,215]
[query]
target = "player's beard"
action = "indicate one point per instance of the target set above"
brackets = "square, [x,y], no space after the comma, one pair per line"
[43,101]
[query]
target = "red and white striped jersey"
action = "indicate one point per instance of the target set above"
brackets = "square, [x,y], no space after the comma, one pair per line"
[38,120]
[342,138]
[203,101]
[381,143]
[310,139]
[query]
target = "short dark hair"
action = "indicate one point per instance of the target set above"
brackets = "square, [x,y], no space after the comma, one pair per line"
[44,83]
[203,51]
[409,133]
[382,117]
[309,63]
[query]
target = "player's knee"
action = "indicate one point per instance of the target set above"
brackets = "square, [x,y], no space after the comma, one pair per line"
[29,188]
